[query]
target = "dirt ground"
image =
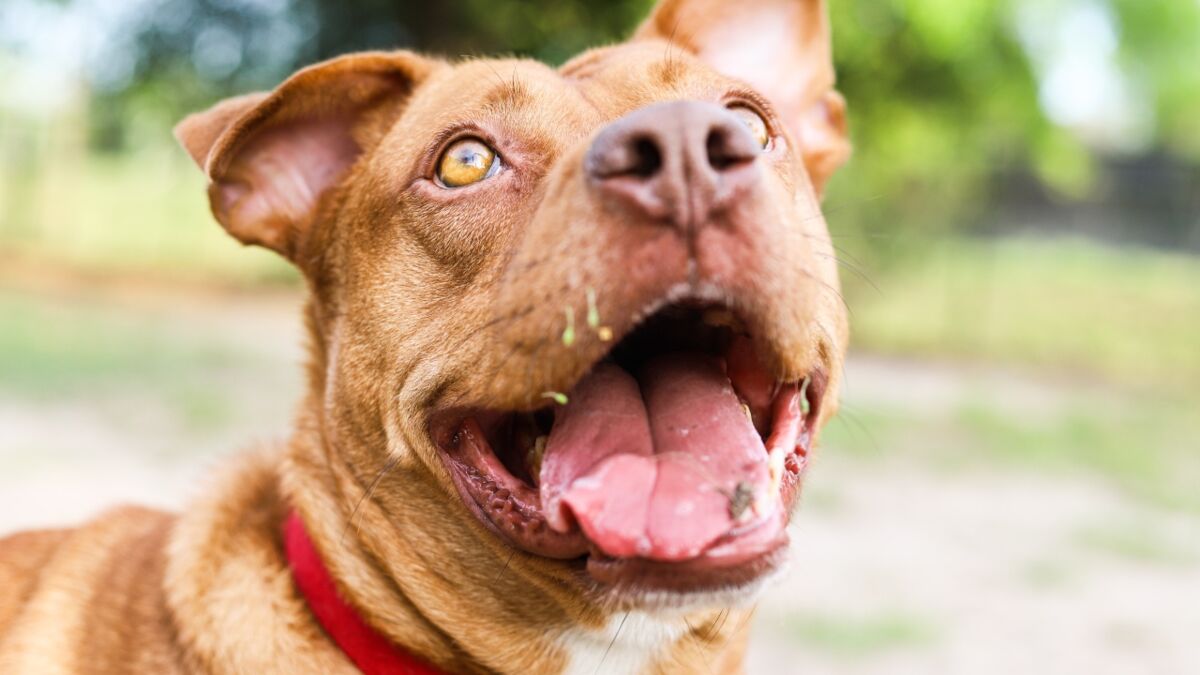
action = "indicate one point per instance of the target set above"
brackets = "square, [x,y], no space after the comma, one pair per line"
[919,547]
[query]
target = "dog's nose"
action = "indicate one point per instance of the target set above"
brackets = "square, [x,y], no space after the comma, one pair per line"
[676,163]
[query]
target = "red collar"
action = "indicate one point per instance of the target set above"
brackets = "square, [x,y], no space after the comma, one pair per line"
[371,652]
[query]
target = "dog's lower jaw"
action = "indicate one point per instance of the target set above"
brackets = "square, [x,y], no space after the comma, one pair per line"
[386,544]
[688,634]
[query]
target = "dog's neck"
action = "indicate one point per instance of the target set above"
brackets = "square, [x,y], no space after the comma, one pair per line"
[449,596]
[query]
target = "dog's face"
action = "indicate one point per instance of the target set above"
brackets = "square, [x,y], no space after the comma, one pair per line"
[592,311]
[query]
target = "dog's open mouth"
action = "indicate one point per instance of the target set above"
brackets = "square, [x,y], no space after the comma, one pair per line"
[678,452]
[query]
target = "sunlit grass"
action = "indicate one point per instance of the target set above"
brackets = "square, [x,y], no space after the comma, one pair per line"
[1139,542]
[56,349]
[852,636]
[1148,448]
[1064,307]
[1144,447]
[1047,575]
[144,214]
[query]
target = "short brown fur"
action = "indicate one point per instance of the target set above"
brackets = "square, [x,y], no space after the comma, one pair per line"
[421,301]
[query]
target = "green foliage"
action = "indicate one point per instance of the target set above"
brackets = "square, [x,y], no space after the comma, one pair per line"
[60,349]
[941,98]
[944,107]
[1161,47]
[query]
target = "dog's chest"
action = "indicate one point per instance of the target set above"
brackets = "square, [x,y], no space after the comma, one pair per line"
[627,644]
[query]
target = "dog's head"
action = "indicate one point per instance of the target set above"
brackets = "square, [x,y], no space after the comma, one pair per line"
[592,312]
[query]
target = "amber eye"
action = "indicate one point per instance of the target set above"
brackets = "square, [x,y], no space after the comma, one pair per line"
[754,122]
[467,161]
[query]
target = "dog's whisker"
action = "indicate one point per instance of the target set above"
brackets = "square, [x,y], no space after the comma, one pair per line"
[505,568]
[742,624]
[717,632]
[487,329]
[350,522]
[499,77]
[699,648]
[828,287]
[847,416]
[853,268]
[611,643]
[824,211]
[846,253]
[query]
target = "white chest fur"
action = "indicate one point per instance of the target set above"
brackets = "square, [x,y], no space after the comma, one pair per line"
[626,645]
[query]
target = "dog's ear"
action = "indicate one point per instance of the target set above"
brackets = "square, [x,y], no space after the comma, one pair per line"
[779,47]
[270,156]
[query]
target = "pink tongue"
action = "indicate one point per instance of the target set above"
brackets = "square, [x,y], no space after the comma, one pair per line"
[650,471]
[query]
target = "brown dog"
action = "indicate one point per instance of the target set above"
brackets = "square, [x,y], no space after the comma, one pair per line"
[573,334]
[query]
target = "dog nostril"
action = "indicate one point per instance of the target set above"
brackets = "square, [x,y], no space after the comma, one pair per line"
[729,146]
[647,158]
[719,155]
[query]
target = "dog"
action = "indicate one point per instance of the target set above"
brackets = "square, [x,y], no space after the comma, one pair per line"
[573,334]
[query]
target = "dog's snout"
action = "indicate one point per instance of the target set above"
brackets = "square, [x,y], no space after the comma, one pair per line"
[675,163]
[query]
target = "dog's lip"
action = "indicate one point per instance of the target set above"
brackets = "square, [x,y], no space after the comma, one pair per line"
[515,518]
[514,513]
[719,569]
[509,509]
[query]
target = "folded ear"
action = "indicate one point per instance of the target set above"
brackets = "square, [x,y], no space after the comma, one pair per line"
[779,47]
[270,157]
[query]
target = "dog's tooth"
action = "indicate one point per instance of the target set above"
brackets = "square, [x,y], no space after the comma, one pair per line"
[775,468]
[805,407]
[719,317]
[533,458]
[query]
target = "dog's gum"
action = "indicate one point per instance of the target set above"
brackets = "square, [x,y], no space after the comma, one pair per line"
[793,464]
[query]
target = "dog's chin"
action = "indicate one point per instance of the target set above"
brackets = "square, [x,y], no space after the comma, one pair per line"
[664,479]
[682,587]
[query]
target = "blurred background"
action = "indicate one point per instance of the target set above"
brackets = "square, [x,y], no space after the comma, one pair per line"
[1014,482]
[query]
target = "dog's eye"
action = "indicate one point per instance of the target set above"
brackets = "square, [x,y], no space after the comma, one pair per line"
[465,162]
[754,122]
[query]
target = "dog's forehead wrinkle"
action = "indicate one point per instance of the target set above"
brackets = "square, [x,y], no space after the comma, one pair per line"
[633,75]
[507,99]
[516,96]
